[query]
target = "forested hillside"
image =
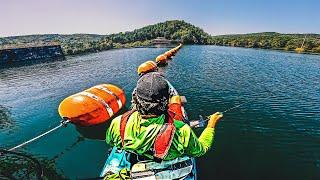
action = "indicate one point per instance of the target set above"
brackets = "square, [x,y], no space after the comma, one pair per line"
[174,30]
[271,40]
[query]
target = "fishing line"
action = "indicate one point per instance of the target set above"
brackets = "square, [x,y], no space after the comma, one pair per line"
[271,94]
[241,104]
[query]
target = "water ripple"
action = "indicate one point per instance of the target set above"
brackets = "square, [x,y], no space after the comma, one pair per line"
[278,130]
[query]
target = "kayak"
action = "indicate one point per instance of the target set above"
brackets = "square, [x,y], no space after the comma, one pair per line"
[141,169]
[179,168]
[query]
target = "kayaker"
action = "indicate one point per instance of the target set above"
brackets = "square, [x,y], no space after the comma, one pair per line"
[151,132]
[175,102]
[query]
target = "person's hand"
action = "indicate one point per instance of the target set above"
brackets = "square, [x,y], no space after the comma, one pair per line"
[214,118]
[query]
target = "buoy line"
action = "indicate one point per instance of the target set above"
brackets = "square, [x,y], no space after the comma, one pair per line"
[63,123]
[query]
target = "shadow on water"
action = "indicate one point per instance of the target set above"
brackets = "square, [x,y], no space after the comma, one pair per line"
[277,138]
[98,131]
[6,121]
[30,62]
[78,141]
[23,166]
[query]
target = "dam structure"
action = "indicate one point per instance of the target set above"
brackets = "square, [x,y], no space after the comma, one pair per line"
[163,42]
[11,54]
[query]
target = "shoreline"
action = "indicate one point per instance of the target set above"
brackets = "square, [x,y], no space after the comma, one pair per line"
[270,49]
[120,48]
[278,50]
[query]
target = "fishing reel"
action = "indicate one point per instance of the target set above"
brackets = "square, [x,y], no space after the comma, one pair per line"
[200,123]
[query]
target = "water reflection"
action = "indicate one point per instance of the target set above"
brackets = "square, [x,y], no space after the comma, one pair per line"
[79,140]
[6,121]
[23,166]
[30,62]
[98,131]
[278,134]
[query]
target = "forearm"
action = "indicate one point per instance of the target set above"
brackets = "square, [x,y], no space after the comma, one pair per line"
[206,139]
[199,146]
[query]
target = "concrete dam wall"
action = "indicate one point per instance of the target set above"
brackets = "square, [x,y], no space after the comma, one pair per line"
[30,53]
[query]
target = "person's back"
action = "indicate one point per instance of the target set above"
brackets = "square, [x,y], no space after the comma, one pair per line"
[141,129]
[140,135]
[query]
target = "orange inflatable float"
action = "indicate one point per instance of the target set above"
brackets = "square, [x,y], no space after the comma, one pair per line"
[148,66]
[173,52]
[93,106]
[161,59]
[168,54]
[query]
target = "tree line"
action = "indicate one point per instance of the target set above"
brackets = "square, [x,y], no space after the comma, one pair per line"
[308,43]
[177,30]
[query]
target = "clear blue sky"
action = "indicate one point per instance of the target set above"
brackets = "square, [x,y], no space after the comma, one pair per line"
[21,17]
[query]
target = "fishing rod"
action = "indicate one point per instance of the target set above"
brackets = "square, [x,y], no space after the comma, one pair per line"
[201,122]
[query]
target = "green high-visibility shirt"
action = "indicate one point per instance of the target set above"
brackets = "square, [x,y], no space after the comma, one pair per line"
[140,135]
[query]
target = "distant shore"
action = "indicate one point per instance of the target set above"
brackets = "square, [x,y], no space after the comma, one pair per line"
[118,47]
[279,50]
[132,47]
[174,30]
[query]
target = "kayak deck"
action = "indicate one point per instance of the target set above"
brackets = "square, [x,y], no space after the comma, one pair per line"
[179,168]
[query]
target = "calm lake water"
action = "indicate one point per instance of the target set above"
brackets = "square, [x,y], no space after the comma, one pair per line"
[275,136]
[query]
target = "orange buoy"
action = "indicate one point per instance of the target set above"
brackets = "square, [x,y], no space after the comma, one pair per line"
[93,106]
[161,59]
[168,54]
[148,66]
[173,52]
